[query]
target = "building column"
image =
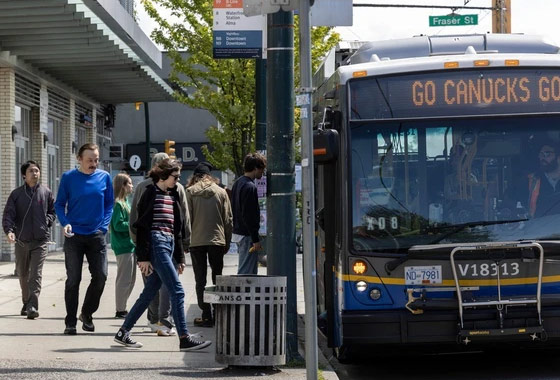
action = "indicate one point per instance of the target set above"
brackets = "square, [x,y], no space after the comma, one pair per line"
[67,155]
[38,145]
[91,132]
[7,146]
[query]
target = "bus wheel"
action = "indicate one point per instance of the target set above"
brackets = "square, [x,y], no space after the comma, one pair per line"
[342,354]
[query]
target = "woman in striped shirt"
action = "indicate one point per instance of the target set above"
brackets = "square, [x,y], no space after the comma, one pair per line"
[160,226]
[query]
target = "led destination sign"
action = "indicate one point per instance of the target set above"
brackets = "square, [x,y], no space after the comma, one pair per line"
[456,93]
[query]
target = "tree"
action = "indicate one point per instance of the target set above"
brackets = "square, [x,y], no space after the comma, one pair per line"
[223,87]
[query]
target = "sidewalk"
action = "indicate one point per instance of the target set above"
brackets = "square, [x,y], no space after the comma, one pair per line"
[37,349]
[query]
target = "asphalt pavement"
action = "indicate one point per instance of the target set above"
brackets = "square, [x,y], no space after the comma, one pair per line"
[38,349]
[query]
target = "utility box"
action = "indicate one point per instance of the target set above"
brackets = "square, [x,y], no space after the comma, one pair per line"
[250,319]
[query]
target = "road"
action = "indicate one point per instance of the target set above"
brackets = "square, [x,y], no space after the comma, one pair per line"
[494,364]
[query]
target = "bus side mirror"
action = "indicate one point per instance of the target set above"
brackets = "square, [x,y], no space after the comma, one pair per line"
[325,146]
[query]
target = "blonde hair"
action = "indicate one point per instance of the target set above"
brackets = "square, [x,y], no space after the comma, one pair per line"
[119,188]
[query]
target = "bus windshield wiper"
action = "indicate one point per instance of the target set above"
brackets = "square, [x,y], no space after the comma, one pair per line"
[460,227]
[394,264]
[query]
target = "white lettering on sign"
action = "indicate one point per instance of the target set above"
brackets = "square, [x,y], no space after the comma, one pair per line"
[189,154]
[488,270]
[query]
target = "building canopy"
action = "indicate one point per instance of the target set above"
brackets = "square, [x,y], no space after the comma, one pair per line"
[92,46]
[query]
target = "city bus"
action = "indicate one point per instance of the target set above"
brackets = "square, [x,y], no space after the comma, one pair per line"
[437,215]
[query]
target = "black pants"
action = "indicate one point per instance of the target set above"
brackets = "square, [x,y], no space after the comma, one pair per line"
[75,248]
[201,256]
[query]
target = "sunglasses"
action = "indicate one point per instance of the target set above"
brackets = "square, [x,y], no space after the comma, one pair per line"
[176,176]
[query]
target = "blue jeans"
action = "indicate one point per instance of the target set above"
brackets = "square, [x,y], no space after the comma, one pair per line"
[93,246]
[161,254]
[247,260]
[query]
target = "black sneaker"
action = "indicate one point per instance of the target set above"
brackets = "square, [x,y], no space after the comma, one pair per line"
[23,311]
[32,313]
[87,321]
[123,337]
[121,314]
[70,330]
[189,343]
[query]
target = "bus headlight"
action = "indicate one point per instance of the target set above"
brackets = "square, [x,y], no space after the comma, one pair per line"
[375,294]
[361,286]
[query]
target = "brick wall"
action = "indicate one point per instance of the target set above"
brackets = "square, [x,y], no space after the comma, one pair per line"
[7,146]
[38,147]
[68,136]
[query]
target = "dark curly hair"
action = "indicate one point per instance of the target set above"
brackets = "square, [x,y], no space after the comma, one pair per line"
[164,169]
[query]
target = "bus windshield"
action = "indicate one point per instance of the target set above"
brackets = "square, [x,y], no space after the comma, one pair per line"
[454,180]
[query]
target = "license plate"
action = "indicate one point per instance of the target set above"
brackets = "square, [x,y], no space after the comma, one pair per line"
[423,275]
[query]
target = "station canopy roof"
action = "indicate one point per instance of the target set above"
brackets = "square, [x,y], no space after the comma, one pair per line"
[93,47]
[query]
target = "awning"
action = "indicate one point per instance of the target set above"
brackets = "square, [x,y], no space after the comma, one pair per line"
[93,46]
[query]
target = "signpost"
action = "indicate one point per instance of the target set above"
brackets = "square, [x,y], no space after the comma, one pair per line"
[236,35]
[454,20]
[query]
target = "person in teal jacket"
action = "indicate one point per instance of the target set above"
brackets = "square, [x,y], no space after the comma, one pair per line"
[121,244]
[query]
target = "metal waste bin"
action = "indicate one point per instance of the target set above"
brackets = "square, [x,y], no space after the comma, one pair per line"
[250,319]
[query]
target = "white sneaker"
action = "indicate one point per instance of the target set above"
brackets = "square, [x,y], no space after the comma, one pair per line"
[163,330]
[154,326]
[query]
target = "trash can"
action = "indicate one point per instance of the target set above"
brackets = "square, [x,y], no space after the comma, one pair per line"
[250,319]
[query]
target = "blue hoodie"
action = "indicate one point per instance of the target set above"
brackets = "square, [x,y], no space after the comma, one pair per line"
[85,201]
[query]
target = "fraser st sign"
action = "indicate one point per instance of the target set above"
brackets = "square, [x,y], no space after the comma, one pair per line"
[454,20]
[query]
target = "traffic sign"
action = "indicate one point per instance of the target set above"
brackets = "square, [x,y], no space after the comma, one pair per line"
[135,162]
[454,20]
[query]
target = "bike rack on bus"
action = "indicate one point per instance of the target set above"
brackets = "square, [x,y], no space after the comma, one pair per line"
[500,302]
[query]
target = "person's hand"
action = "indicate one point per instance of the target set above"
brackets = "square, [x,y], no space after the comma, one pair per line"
[67,231]
[145,268]
[11,237]
[181,267]
[256,247]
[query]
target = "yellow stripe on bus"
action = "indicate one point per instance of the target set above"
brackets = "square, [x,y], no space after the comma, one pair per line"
[482,282]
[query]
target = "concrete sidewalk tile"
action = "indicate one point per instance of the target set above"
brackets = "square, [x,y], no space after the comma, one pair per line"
[38,349]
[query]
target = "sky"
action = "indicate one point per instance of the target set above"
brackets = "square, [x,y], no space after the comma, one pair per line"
[373,24]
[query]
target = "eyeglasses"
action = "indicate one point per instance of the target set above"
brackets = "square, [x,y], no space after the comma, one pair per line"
[546,154]
[176,176]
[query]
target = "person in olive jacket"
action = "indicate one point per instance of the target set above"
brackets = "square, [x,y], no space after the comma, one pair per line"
[211,228]
[122,244]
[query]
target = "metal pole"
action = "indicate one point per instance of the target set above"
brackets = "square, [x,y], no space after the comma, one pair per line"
[260,104]
[147,123]
[309,271]
[280,149]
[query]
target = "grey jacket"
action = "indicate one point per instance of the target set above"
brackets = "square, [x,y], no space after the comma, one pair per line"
[139,190]
[29,213]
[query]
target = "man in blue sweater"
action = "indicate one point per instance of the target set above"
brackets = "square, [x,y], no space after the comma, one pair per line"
[84,206]
[247,214]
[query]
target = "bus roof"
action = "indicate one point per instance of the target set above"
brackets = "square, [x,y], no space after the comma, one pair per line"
[425,46]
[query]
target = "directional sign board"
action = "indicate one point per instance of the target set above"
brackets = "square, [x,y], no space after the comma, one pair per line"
[236,35]
[454,20]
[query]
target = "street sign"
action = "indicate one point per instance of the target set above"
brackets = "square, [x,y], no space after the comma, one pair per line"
[454,20]
[236,35]
[135,162]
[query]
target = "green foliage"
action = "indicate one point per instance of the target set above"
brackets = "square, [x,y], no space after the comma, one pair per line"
[223,87]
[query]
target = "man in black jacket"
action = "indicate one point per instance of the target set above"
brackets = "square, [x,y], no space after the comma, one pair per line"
[246,213]
[28,215]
